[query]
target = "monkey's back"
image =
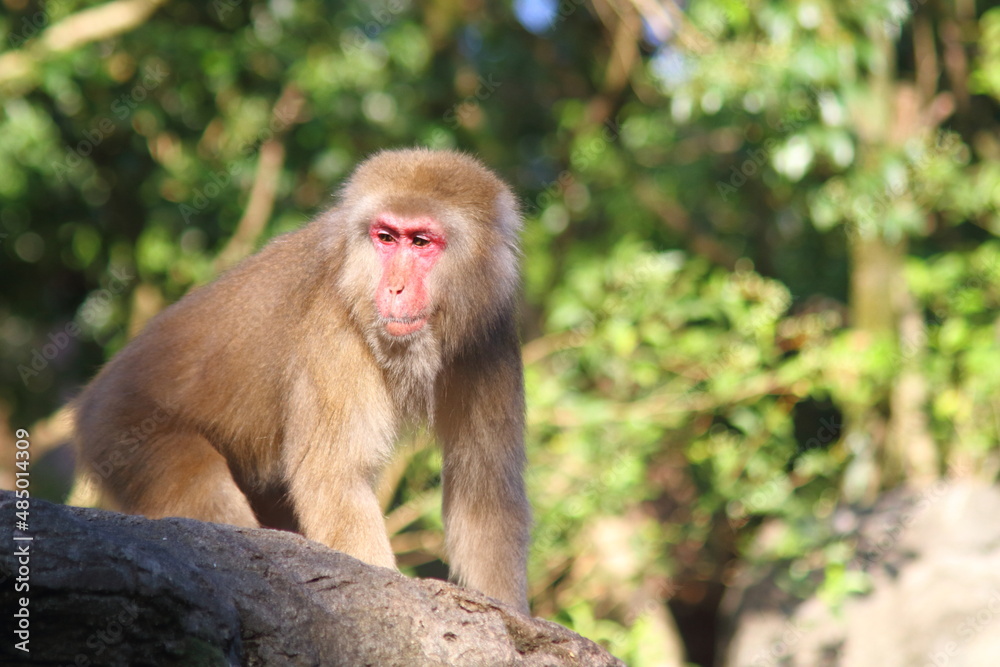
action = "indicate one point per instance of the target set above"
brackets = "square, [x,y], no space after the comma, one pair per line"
[211,364]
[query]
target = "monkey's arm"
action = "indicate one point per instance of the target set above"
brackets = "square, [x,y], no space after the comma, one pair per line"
[339,434]
[480,422]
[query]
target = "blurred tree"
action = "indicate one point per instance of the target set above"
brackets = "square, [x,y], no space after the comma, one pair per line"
[761,266]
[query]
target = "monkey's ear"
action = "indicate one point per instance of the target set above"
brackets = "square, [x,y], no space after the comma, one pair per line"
[508,214]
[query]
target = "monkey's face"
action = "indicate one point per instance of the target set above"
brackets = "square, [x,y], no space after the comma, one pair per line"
[407,248]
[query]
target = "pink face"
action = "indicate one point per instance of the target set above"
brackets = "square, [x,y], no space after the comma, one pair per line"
[407,248]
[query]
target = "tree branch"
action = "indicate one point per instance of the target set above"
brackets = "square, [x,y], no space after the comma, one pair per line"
[88,25]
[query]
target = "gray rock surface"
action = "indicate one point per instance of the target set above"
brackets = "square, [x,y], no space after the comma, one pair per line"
[934,561]
[111,589]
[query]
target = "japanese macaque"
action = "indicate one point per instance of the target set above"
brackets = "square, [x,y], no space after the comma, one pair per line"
[273,396]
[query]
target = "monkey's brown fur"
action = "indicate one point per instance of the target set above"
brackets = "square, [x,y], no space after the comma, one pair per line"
[274,395]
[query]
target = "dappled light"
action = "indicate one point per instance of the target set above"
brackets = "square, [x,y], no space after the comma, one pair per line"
[760,277]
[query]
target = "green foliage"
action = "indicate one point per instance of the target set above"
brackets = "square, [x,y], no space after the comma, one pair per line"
[627,386]
[961,294]
[705,380]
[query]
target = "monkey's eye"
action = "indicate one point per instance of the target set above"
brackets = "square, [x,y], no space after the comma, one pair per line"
[385,237]
[421,241]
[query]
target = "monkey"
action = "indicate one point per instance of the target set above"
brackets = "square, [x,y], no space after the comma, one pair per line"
[273,396]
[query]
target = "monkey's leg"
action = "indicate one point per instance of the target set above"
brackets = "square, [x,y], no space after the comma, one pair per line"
[480,421]
[345,516]
[486,521]
[331,467]
[180,474]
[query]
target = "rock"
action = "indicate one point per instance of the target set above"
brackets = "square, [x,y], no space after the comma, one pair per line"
[110,589]
[934,561]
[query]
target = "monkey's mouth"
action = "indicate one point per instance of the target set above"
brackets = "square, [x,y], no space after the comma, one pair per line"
[404,326]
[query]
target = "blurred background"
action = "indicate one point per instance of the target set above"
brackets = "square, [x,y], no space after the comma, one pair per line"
[761,274]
